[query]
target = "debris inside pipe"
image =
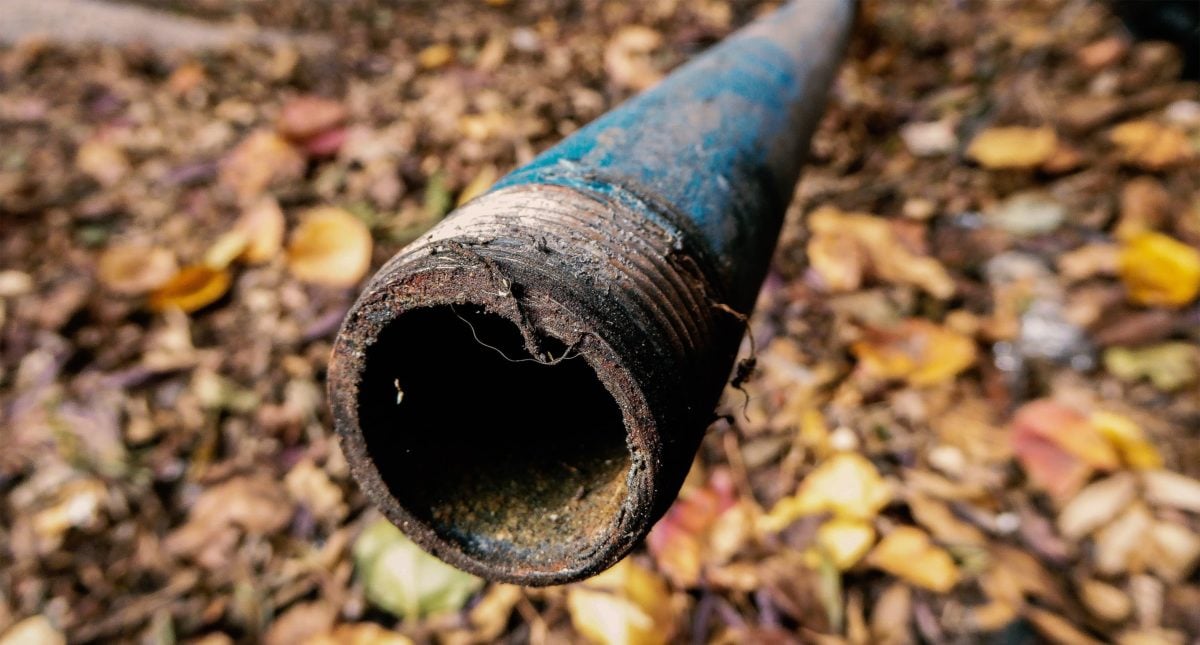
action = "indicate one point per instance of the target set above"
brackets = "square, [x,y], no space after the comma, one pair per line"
[522,390]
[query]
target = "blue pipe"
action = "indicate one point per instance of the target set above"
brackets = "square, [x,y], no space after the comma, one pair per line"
[523,389]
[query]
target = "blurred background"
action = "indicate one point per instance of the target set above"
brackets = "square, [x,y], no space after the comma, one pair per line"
[976,414]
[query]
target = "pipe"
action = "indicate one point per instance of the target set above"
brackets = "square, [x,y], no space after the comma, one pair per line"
[523,389]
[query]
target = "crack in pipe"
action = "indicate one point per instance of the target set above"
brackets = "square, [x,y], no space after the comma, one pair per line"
[630,252]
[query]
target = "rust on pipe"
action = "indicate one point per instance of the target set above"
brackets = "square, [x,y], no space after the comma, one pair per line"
[523,389]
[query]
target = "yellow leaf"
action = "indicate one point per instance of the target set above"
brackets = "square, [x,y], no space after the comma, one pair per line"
[193,288]
[626,605]
[1151,145]
[845,540]
[330,247]
[359,634]
[1158,270]
[479,185]
[1129,440]
[844,246]
[228,247]
[1013,147]
[909,554]
[916,350]
[435,56]
[846,485]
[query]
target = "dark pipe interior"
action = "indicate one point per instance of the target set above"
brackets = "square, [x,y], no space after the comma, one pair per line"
[517,459]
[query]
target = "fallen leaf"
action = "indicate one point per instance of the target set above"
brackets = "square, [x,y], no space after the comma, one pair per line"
[845,247]
[360,634]
[1089,261]
[1169,366]
[227,248]
[261,160]
[479,185]
[1105,601]
[845,540]
[404,580]
[77,505]
[1118,544]
[191,289]
[1028,213]
[679,541]
[262,224]
[1102,53]
[907,553]
[1151,145]
[1058,447]
[846,485]
[1056,628]
[941,522]
[1096,505]
[309,485]
[626,605]
[1158,270]
[307,116]
[35,630]
[435,56]
[331,247]
[301,622]
[254,505]
[1128,438]
[627,57]
[915,350]
[1013,147]
[103,161]
[135,269]
[491,614]
[1166,488]
[892,615]
[1144,206]
[1174,551]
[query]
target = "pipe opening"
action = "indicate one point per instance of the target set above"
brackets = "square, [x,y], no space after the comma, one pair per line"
[518,460]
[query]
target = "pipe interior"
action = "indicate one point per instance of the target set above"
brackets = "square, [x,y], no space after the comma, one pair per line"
[497,453]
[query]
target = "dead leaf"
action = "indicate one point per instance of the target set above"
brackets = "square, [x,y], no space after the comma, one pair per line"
[848,246]
[35,630]
[929,139]
[263,159]
[1096,505]
[940,521]
[1166,488]
[626,605]
[1058,447]
[1118,544]
[479,185]
[228,247]
[254,504]
[1145,205]
[360,634]
[103,161]
[1013,147]
[892,615]
[307,116]
[1158,270]
[191,289]
[1105,601]
[301,622]
[309,485]
[331,247]
[907,553]
[846,485]
[1169,366]
[679,542]
[262,224]
[1151,145]
[1128,438]
[627,57]
[1056,628]
[1174,551]
[135,269]
[915,350]
[845,540]
[435,56]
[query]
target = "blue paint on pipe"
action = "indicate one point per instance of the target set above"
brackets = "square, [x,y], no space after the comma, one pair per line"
[719,142]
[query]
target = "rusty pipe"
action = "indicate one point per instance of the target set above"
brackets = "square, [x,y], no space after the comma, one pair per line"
[523,389]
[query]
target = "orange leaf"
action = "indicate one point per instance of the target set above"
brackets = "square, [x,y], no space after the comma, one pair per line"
[1151,145]
[192,289]
[916,350]
[680,540]
[330,247]
[908,553]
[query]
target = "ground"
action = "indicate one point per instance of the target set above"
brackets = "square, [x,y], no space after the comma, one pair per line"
[975,414]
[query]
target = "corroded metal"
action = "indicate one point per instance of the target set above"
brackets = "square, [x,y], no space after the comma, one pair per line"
[523,389]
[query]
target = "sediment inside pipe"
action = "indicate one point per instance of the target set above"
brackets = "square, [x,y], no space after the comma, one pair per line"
[500,454]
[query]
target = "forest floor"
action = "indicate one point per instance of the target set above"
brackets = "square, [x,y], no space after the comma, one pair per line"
[976,415]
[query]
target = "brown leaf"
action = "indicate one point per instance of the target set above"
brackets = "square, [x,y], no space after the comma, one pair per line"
[1058,447]
[1096,505]
[1151,145]
[907,553]
[262,224]
[1166,488]
[261,160]
[307,116]
[134,269]
[627,57]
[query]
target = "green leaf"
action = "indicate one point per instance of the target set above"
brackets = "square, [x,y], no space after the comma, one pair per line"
[404,580]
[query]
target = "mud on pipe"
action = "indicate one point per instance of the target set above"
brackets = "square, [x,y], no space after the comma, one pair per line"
[523,389]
